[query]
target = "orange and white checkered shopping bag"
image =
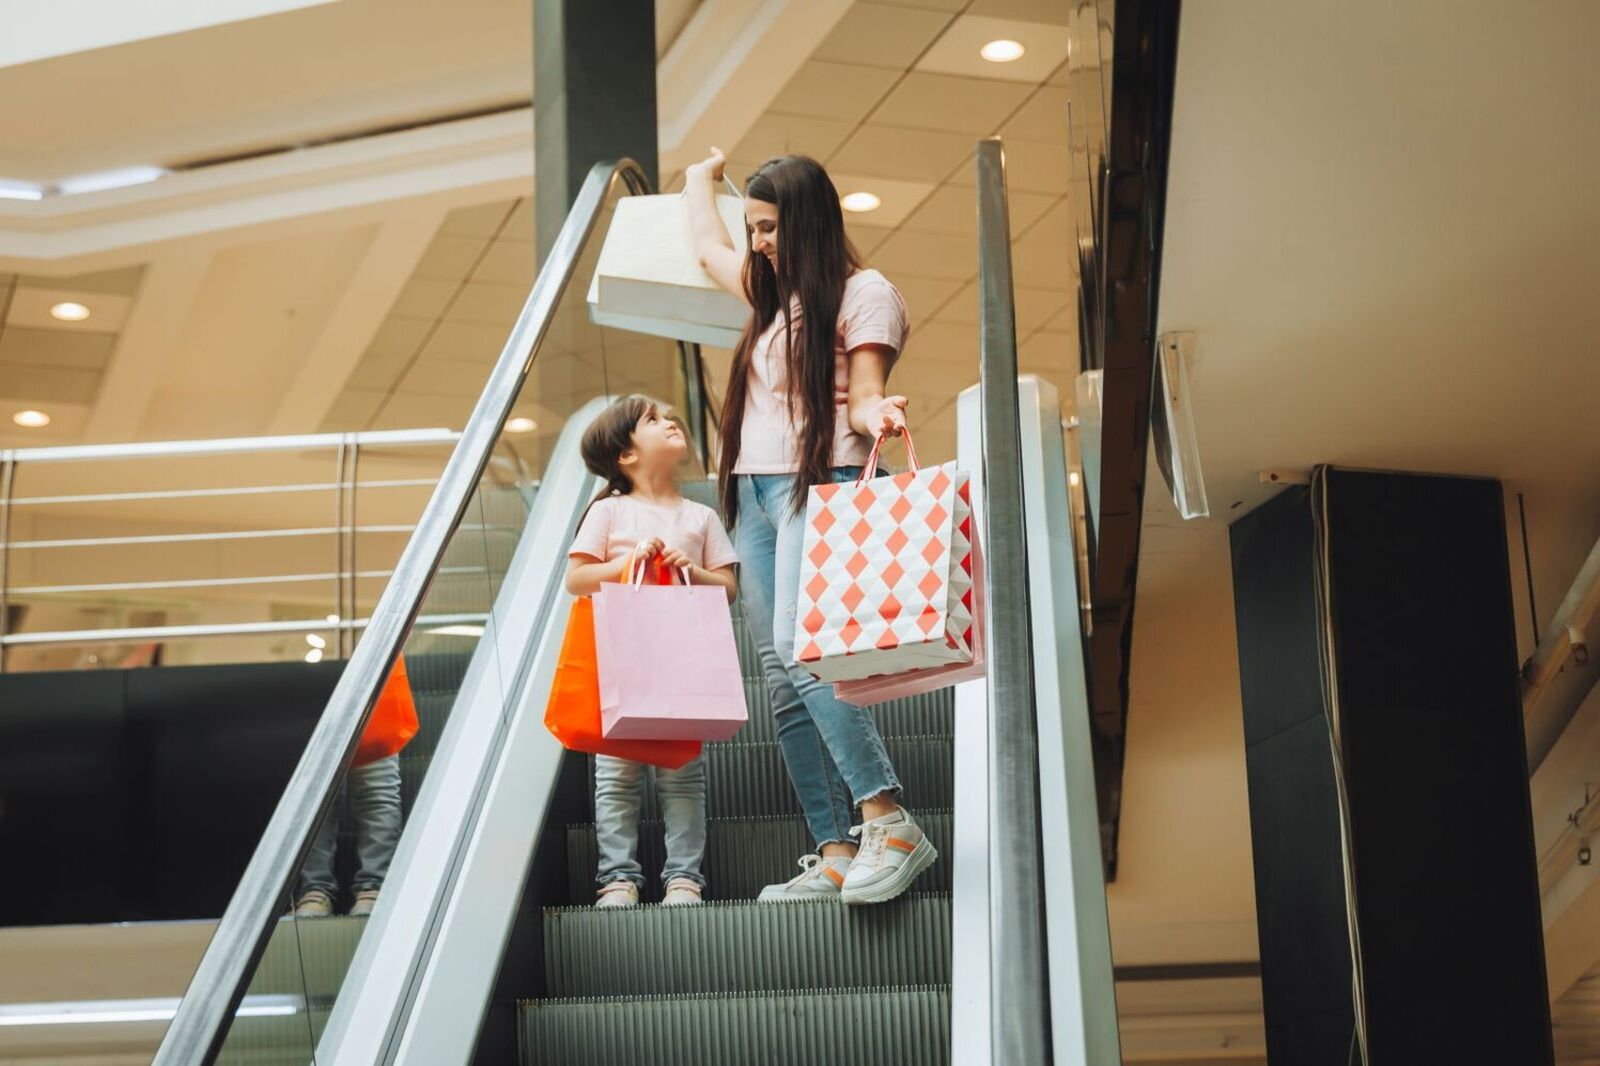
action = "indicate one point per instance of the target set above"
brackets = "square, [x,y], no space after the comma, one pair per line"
[886,574]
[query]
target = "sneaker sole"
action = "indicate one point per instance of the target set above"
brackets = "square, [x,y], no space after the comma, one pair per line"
[922,857]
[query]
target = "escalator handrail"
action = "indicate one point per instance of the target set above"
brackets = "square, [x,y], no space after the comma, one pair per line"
[201,1023]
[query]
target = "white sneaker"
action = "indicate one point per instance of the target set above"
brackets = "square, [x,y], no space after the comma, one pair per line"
[366,899]
[894,850]
[618,894]
[819,878]
[314,904]
[681,892]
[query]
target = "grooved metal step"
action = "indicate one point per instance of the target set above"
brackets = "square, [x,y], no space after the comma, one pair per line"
[742,856]
[746,947]
[749,780]
[307,956]
[844,1027]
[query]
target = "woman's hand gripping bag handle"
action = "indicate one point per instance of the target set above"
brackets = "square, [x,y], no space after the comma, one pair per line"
[573,712]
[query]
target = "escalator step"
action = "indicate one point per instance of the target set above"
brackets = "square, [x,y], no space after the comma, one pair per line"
[742,856]
[309,956]
[749,780]
[746,947]
[930,713]
[869,1027]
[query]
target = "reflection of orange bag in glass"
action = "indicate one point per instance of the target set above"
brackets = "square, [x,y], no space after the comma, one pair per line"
[573,713]
[393,722]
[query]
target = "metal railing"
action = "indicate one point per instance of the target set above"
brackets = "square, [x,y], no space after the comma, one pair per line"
[143,574]
[201,1025]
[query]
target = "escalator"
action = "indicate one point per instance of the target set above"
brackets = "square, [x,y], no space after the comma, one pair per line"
[484,947]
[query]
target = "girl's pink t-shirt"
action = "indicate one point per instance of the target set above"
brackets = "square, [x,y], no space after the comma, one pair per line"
[872,312]
[616,525]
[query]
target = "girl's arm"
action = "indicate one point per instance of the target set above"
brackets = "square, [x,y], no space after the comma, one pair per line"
[725,576]
[585,573]
[872,414]
[712,245]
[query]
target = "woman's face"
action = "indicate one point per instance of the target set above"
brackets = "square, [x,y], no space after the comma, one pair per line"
[763,220]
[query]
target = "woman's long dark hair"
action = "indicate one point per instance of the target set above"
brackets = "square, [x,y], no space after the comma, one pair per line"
[814,259]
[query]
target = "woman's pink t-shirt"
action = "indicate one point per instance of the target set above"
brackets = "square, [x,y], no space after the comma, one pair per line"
[616,525]
[872,312]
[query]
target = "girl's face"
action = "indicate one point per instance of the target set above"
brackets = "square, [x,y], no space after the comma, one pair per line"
[658,443]
[763,220]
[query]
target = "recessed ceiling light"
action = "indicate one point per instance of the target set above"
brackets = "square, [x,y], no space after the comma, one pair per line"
[314,655]
[1002,51]
[860,201]
[31,419]
[68,311]
[333,619]
[521,425]
[316,641]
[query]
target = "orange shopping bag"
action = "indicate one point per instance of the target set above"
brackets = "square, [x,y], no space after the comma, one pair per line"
[573,713]
[393,722]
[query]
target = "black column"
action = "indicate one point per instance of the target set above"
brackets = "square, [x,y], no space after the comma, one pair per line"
[1417,602]
[594,97]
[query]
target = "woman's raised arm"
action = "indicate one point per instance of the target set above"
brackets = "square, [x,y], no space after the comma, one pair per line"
[712,246]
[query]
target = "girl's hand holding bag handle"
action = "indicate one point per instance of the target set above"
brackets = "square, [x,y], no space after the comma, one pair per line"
[669,667]
[886,582]
[573,713]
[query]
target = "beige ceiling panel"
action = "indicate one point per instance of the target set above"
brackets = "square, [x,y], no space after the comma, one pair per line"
[779,134]
[953,104]
[407,411]
[56,348]
[928,5]
[469,342]
[1048,351]
[377,372]
[957,50]
[423,298]
[356,406]
[48,384]
[1042,118]
[398,336]
[867,239]
[910,155]
[930,255]
[121,282]
[1031,166]
[520,225]
[1035,307]
[481,221]
[444,377]
[953,209]
[449,258]
[941,347]
[488,303]
[508,262]
[1042,262]
[877,35]
[1058,12]
[841,91]
[898,198]
[30,306]
[924,296]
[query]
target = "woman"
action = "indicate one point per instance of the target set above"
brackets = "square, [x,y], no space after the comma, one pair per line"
[803,407]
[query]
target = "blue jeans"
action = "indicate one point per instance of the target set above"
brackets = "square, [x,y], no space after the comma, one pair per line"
[617,800]
[832,749]
[375,798]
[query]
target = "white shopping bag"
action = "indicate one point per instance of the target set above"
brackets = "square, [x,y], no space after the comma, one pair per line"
[886,575]
[648,279]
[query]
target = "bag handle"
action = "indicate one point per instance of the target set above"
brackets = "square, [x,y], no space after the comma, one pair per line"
[636,578]
[877,446]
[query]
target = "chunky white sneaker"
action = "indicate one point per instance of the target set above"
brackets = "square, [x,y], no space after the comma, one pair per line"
[894,850]
[618,894]
[819,878]
[681,892]
[314,904]
[366,899]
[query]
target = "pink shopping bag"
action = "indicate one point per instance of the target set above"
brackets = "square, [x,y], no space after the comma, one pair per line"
[873,690]
[886,574]
[668,664]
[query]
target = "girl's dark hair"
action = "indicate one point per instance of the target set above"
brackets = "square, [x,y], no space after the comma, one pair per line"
[605,441]
[814,259]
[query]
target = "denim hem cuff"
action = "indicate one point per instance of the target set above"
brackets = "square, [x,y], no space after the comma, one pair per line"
[636,879]
[890,786]
[698,879]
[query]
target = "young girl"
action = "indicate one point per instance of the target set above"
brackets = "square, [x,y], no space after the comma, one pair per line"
[806,396]
[641,516]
